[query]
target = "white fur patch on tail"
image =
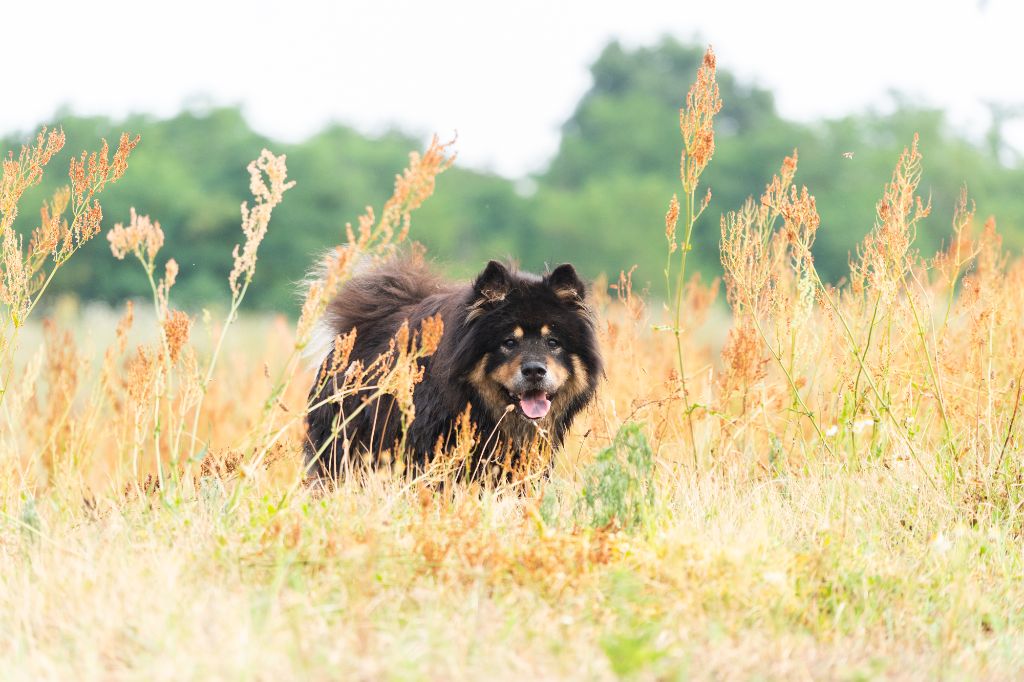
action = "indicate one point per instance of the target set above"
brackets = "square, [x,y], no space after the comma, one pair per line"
[321,341]
[322,337]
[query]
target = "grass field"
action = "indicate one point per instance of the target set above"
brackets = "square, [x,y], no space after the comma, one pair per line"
[823,483]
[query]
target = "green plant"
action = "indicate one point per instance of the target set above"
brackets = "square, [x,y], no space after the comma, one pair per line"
[618,488]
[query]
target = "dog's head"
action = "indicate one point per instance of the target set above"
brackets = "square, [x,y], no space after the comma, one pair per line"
[529,342]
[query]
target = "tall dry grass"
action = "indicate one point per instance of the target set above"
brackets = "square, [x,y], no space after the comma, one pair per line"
[825,484]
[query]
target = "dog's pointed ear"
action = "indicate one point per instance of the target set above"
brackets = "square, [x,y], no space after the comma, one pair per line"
[566,284]
[494,283]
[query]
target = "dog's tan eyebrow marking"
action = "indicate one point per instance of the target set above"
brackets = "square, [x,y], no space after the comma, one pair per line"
[545,330]
[518,332]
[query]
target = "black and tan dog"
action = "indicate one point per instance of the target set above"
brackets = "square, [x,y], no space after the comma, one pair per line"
[518,349]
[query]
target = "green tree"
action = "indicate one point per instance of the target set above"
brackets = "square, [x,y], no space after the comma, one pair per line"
[600,204]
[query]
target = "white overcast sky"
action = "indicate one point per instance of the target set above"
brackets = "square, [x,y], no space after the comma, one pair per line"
[504,75]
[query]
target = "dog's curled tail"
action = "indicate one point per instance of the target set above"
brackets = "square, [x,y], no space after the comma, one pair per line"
[378,290]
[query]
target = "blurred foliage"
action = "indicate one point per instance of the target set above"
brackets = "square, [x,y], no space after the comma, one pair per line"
[607,190]
[600,203]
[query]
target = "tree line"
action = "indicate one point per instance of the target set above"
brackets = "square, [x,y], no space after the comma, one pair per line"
[599,204]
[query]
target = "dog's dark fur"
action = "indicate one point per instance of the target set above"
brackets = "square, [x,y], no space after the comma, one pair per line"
[510,339]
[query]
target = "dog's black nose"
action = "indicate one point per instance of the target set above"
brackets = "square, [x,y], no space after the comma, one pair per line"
[534,371]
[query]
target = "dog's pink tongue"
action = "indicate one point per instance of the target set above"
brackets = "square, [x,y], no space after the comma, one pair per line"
[535,404]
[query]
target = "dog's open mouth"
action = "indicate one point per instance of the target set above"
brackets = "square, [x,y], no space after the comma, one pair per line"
[534,404]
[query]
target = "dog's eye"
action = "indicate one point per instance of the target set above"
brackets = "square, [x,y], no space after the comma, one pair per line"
[510,343]
[553,343]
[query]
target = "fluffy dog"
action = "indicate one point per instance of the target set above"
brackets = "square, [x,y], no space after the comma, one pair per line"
[519,350]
